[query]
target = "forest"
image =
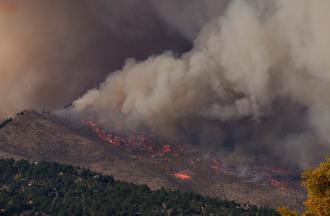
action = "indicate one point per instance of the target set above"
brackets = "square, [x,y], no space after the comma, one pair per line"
[48,188]
[4,123]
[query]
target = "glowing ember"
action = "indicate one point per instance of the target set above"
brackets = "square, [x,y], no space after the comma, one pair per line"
[282,186]
[117,136]
[215,166]
[111,139]
[166,149]
[155,148]
[182,176]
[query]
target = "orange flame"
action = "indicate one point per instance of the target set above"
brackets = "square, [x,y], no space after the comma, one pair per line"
[113,140]
[166,149]
[117,137]
[150,144]
[182,176]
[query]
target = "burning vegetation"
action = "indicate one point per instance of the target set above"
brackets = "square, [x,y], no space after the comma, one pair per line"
[150,146]
[133,140]
[182,176]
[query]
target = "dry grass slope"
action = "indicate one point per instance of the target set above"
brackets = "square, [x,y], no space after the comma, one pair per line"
[37,136]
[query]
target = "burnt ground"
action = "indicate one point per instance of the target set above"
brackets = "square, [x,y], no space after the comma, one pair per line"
[39,136]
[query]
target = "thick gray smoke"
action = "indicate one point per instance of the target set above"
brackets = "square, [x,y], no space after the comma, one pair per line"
[189,16]
[256,80]
[51,52]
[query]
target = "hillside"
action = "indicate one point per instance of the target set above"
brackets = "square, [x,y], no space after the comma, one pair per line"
[40,136]
[46,188]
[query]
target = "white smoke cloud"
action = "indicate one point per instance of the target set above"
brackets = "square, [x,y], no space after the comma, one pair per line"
[242,61]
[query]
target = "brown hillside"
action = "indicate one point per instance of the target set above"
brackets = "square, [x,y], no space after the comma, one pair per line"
[39,136]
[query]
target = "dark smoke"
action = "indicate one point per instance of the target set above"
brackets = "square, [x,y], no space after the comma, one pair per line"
[53,51]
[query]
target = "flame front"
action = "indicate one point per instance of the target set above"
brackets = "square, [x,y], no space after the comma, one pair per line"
[182,176]
[109,138]
[166,149]
[133,139]
[156,149]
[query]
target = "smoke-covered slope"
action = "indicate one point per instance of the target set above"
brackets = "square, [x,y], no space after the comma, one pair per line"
[40,136]
[251,55]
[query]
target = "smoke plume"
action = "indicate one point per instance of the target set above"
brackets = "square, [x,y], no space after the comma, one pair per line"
[51,52]
[255,83]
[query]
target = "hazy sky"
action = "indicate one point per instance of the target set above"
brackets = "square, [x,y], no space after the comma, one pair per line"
[53,51]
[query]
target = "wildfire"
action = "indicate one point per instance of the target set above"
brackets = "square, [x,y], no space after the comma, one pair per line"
[271,175]
[109,138]
[182,176]
[166,149]
[215,166]
[282,186]
[155,148]
[116,136]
